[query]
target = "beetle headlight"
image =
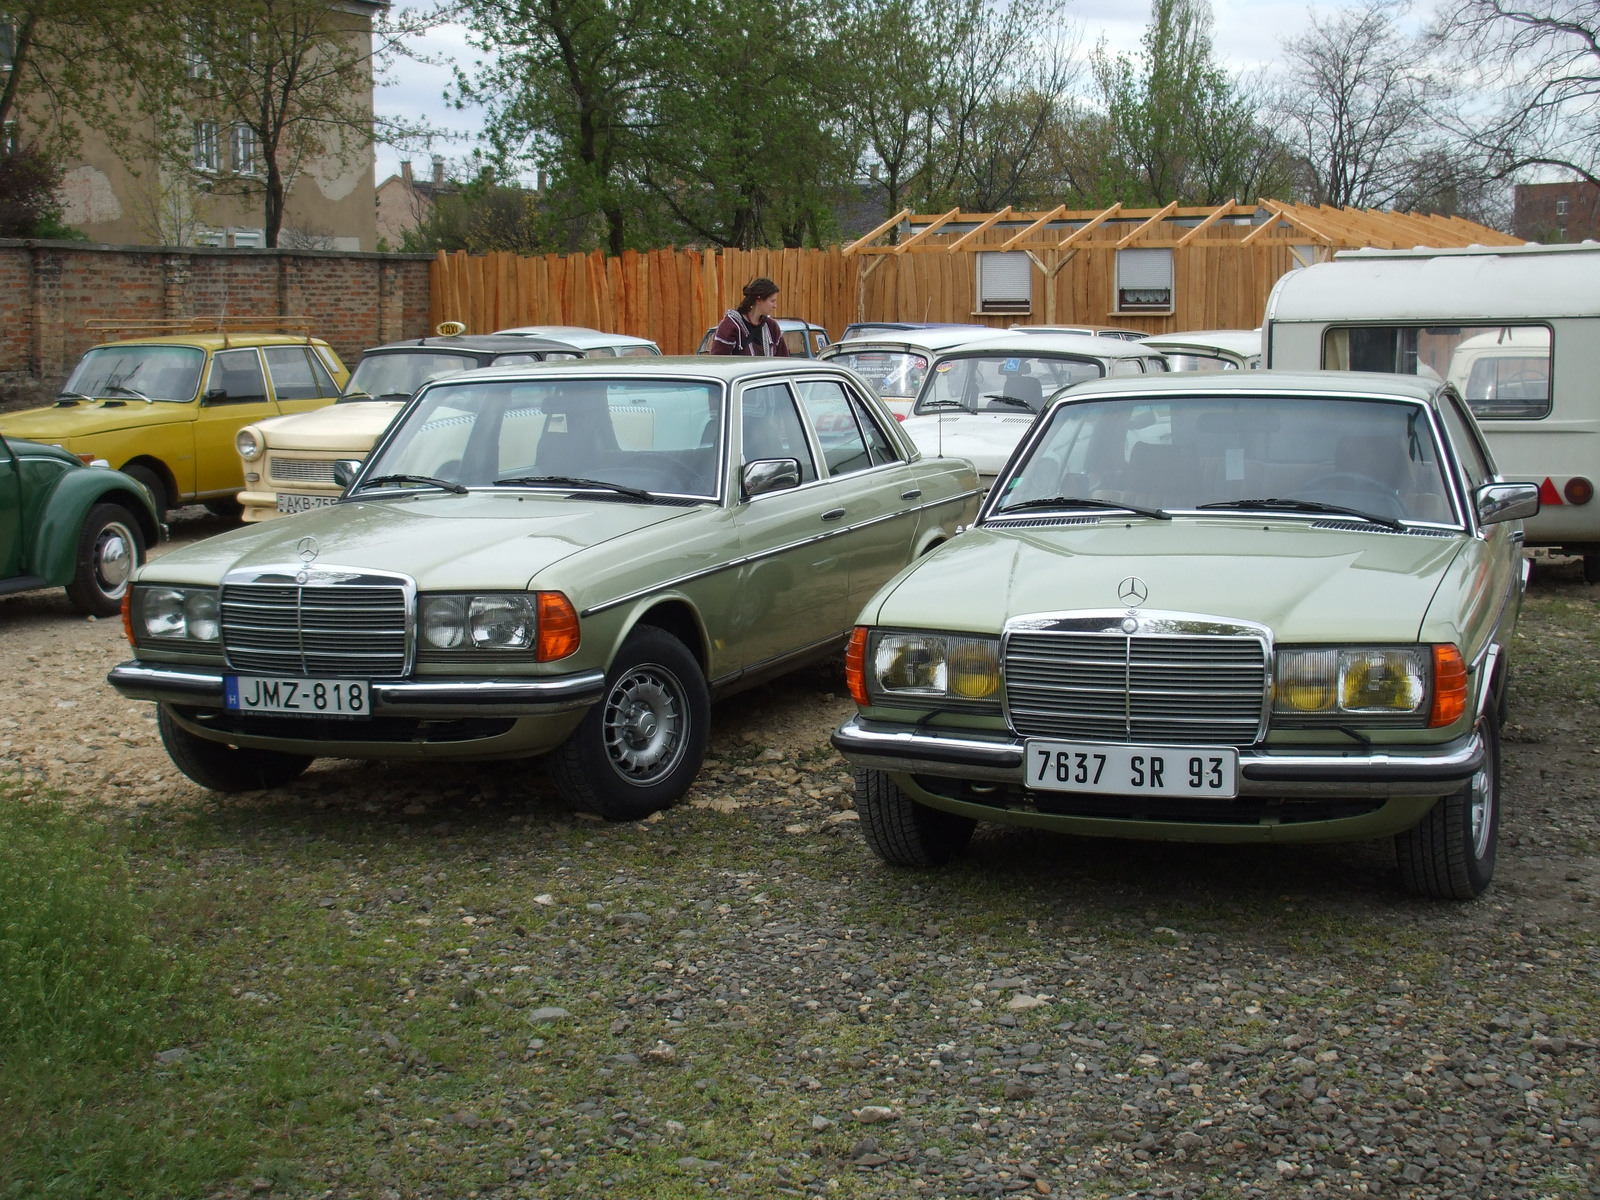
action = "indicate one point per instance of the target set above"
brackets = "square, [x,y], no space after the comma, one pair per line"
[249,443]
[1358,679]
[177,614]
[938,665]
[492,621]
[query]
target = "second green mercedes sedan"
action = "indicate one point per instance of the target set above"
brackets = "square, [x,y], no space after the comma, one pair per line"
[544,559]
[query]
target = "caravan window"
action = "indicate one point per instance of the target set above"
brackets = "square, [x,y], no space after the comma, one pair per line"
[1503,371]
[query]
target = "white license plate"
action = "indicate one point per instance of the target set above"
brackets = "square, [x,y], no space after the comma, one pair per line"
[293,502]
[299,697]
[1209,771]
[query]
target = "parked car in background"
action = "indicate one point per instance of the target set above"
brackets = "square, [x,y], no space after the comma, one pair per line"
[165,409]
[887,329]
[593,342]
[1516,328]
[804,339]
[896,364]
[978,400]
[288,462]
[1209,349]
[1106,331]
[1258,607]
[568,559]
[67,523]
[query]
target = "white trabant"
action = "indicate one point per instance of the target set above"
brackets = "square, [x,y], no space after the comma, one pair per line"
[978,400]
[895,363]
[1515,328]
[595,343]
[1209,349]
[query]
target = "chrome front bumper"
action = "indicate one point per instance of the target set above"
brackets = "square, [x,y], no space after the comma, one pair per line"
[424,698]
[998,758]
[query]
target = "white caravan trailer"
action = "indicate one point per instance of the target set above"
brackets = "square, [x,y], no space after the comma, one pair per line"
[1515,328]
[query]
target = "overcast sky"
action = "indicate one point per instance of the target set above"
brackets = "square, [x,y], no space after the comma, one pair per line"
[1247,36]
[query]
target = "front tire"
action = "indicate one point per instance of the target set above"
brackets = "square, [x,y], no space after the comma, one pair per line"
[639,749]
[224,768]
[152,484]
[110,548]
[902,832]
[1450,853]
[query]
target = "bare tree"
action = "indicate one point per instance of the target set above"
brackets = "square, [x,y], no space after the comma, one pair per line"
[1540,59]
[1353,107]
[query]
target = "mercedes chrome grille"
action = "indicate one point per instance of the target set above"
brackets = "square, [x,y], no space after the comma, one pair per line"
[277,625]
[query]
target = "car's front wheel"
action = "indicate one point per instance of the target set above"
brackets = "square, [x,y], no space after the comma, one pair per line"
[1449,854]
[903,832]
[639,749]
[110,547]
[225,768]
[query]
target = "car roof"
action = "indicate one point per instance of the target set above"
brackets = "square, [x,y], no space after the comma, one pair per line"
[580,336]
[217,341]
[797,323]
[1061,343]
[1236,341]
[1354,384]
[730,369]
[478,343]
[928,338]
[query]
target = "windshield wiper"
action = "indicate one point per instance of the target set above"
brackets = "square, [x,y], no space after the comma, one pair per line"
[943,404]
[72,397]
[575,481]
[1004,399]
[1155,514]
[354,394]
[1276,504]
[445,484]
[128,391]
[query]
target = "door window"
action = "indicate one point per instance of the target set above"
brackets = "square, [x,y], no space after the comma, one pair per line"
[877,441]
[1474,462]
[236,378]
[772,429]
[297,375]
[834,420]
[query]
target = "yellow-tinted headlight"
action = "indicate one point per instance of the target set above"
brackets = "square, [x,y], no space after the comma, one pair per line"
[936,664]
[1307,680]
[1382,681]
[974,668]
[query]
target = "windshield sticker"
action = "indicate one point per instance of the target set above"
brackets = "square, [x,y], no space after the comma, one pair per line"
[944,367]
[1012,366]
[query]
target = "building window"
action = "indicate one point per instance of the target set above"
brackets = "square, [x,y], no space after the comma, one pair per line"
[1144,280]
[8,42]
[247,239]
[9,139]
[205,146]
[246,150]
[1005,283]
[210,237]
[1561,207]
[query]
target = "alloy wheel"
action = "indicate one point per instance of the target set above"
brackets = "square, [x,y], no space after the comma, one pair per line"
[644,724]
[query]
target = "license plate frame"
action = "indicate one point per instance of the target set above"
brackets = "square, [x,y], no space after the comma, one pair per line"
[1118,769]
[280,696]
[290,503]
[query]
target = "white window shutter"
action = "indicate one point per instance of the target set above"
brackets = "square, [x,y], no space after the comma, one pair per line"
[1005,282]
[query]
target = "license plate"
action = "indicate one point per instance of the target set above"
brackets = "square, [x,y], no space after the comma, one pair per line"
[299,697]
[293,502]
[1209,771]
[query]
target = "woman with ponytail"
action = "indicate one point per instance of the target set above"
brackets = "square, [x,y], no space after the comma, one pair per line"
[751,328]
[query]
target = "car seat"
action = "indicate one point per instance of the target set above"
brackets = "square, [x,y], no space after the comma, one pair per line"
[578,438]
[1163,475]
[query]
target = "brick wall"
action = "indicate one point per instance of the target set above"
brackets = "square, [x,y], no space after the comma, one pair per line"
[48,290]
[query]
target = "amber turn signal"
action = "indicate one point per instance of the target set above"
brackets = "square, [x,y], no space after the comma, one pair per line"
[855,665]
[127,617]
[559,635]
[1449,687]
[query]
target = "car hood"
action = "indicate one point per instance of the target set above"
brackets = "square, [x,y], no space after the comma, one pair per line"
[83,419]
[1307,585]
[456,543]
[353,425]
[984,439]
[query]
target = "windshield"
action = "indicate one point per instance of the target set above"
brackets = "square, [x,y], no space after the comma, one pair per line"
[397,375]
[138,372]
[1374,456]
[660,435]
[893,374]
[1001,383]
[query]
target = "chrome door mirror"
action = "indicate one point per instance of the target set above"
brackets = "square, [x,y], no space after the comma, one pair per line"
[345,471]
[1497,502]
[769,475]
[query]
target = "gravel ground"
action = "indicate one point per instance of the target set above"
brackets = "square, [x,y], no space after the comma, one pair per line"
[737,998]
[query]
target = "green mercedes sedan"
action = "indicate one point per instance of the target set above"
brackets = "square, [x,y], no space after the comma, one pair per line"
[566,559]
[1248,608]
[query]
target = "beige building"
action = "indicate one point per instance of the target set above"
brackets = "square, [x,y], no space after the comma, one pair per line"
[330,204]
[404,202]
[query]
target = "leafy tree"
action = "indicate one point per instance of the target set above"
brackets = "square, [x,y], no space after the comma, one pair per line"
[29,179]
[485,214]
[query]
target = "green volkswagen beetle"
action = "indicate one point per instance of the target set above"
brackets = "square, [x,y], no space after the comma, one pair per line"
[568,559]
[67,523]
[1247,608]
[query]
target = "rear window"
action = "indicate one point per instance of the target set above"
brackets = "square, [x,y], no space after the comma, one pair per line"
[1503,371]
[892,373]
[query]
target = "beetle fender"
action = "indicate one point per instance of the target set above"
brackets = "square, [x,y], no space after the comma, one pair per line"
[53,550]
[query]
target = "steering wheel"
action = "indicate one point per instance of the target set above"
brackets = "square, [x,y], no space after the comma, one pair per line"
[1354,481]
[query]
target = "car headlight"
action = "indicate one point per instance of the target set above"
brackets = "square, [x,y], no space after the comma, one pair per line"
[545,622]
[250,444]
[177,614]
[945,666]
[1356,679]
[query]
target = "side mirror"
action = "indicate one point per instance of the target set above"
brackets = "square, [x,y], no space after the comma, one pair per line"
[1497,502]
[345,471]
[215,396]
[769,475]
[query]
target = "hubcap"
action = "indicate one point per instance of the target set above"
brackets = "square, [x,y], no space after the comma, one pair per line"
[113,559]
[644,724]
[1480,813]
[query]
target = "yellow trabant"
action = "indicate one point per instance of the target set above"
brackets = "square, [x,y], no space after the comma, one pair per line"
[165,408]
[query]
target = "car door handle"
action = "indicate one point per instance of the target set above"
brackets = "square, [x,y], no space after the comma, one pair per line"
[912,494]
[833,514]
